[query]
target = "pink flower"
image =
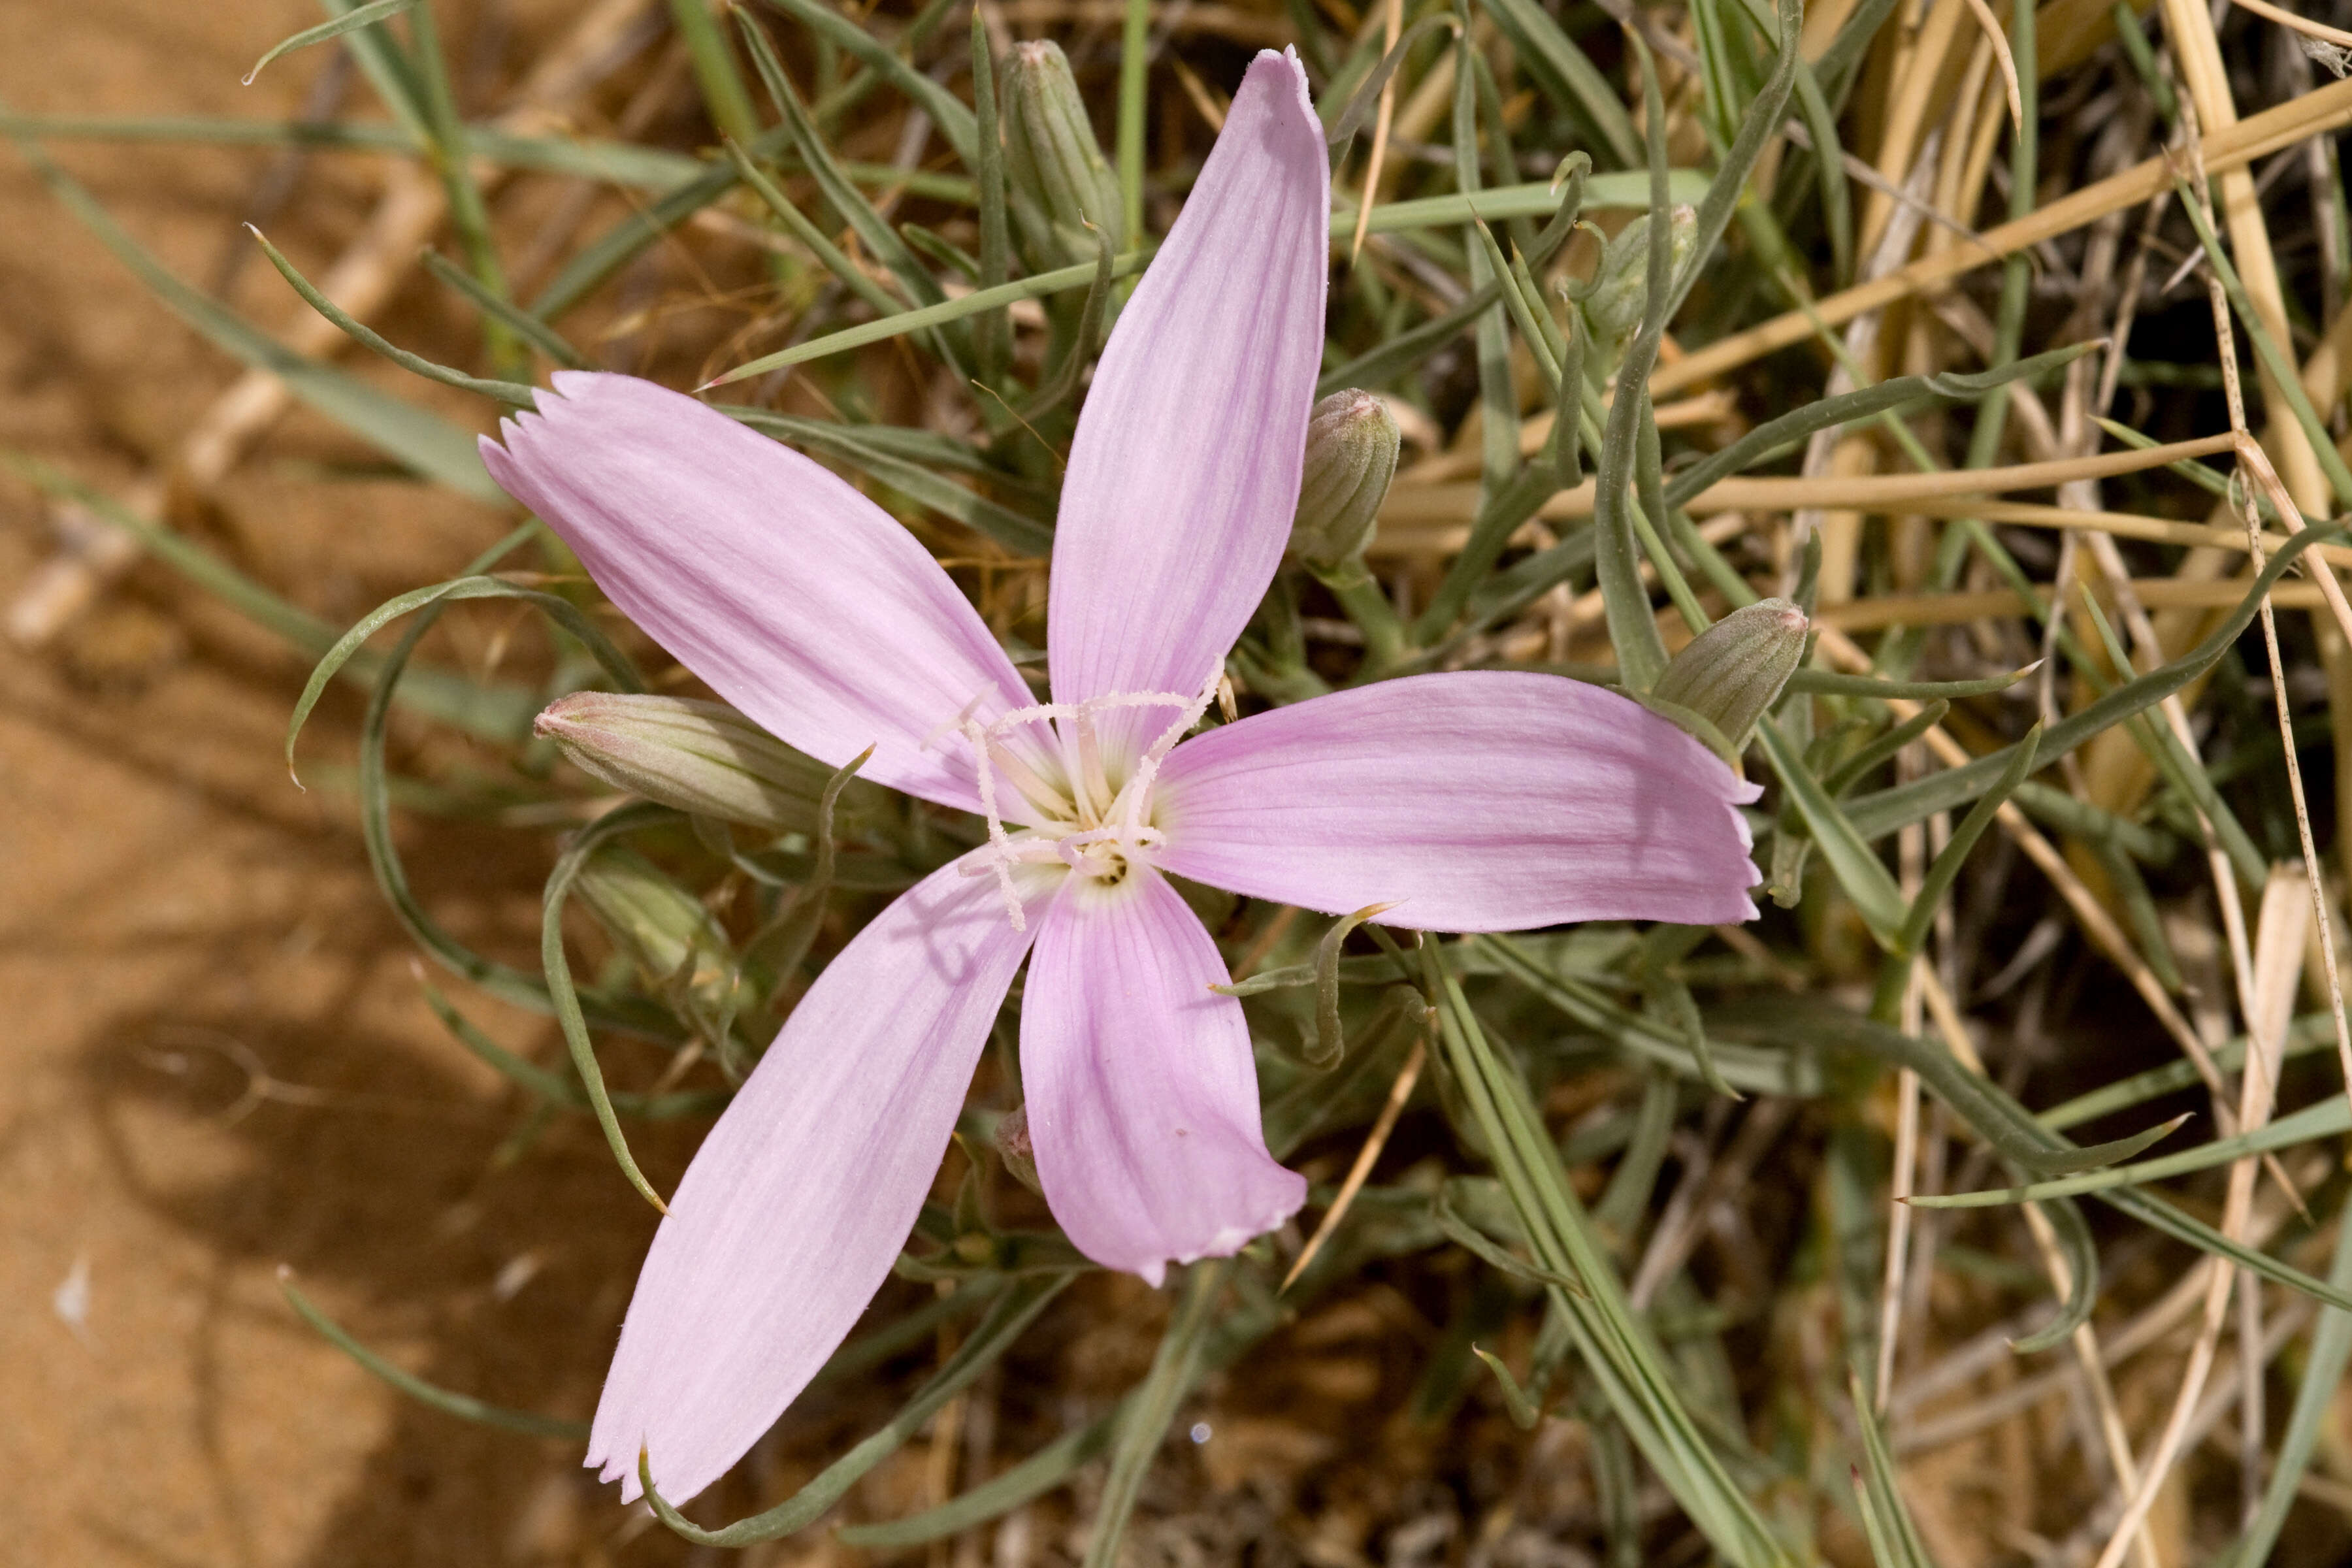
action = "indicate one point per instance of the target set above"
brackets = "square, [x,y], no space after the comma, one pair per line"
[1478,801]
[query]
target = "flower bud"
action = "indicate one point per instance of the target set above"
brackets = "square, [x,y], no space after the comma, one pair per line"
[1013,1147]
[1732,671]
[701,757]
[1060,181]
[663,930]
[1351,455]
[1621,287]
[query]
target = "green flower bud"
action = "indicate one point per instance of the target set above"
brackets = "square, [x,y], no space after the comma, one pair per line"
[1059,179]
[701,757]
[1351,455]
[1621,286]
[1013,1147]
[664,930]
[1732,671]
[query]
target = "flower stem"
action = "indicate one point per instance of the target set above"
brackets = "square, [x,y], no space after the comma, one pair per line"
[1360,594]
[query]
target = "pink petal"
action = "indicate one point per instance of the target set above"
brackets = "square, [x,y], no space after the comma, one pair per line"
[1486,800]
[1184,472]
[796,598]
[1142,1089]
[797,1204]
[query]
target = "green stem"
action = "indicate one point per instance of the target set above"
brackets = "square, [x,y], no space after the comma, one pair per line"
[1360,594]
[1134,74]
[724,94]
[452,159]
[1174,1370]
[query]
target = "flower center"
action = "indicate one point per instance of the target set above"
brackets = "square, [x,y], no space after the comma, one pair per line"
[1091,824]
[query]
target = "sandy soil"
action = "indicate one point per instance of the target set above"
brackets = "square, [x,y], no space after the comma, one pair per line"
[170,906]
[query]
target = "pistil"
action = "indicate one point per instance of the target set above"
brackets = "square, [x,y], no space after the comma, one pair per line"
[1092,815]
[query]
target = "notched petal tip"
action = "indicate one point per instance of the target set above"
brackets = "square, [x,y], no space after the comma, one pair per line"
[793,596]
[1143,1107]
[1223,1242]
[797,1203]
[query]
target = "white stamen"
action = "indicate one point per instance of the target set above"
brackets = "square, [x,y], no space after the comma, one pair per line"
[1092,785]
[931,737]
[1018,774]
[980,748]
[1130,805]
[1082,807]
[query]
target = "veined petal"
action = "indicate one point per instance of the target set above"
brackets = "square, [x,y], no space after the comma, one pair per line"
[1142,1093]
[1184,470]
[797,1204]
[796,598]
[1485,800]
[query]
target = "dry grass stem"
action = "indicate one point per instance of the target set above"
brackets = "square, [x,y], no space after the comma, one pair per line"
[1400,1094]
[2273,131]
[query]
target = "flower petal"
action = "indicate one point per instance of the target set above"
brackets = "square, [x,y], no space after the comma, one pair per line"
[797,1204]
[796,598]
[1142,1093]
[1184,470]
[1485,800]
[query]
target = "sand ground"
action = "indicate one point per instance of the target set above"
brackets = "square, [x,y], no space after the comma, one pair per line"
[171,907]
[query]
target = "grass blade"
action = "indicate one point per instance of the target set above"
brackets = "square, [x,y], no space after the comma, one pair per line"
[400,430]
[1012,1312]
[366,16]
[465,1406]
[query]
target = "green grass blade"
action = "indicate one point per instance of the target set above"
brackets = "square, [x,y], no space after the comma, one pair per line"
[1757,128]
[564,997]
[1032,1478]
[993,334]
[515,394]
[465,1406]
[843,196]
[2327,1119]
[1884,1488]
[1791,429]
[1879,815]
[2310,1034]
[450,152]
[1632,625]
[564,612]
[1856,865]
[1828,683]
[366,16]
[1044,283]
[1134,80]
[852,276]
[389,70]
[1566,74]
[1012,1312]
[2284,372]
[725,96]
[1622,1356]
[955,121]
[622,243]
[1022,534]
[402,431]
[2316,1400]
[1176,1366]
[554,1088]
[1946,867]
[498,713]
[222,130]
[1402,352]
[529,328]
